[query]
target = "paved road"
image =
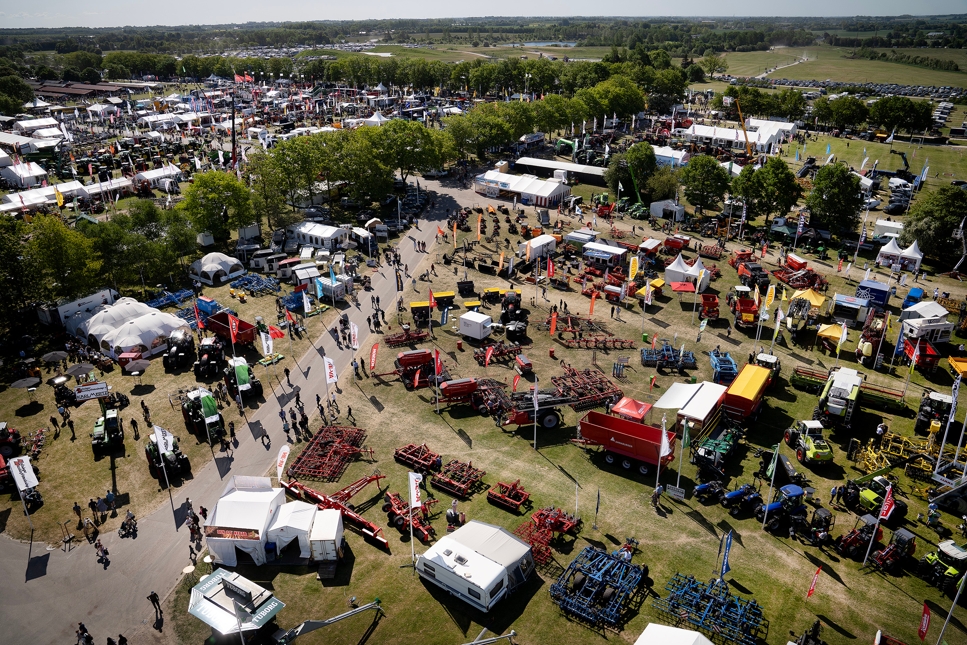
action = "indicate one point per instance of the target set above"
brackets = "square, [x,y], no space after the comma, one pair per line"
[60,589]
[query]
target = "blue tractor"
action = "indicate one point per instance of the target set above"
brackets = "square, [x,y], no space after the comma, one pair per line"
[745,497]
[788,504]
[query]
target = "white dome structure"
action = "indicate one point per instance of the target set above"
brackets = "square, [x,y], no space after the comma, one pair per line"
[145,334]
[93,330]
[216,268]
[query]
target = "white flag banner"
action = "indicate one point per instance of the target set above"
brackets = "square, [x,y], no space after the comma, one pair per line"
[166,440]
[354,334]
[280,461]
[23,473]
[331,376]
[536,403]
[415,479]
[306,305]
[266,343]
[666,448]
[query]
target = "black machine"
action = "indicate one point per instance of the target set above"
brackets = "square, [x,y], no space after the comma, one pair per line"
[181,350]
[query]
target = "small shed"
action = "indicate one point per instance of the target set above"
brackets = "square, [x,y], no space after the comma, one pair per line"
[293,522]
[325,538]
[603,256]
[667,209]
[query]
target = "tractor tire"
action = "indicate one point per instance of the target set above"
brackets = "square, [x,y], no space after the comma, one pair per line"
[626,464]
[387,507]
[817,414]
[577,581]
[801,456]
[607,595]
[787,436]
[391,517]
[643,469]
[609,458]
[400,521]
[549,420]
[7,450]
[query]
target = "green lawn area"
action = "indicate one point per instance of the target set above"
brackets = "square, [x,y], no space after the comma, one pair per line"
[831,64]
[959,56]
[755,63]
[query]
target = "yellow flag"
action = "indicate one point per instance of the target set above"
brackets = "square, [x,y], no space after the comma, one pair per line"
[59,195]
[454,235]
[479,219]
[784,298]
[755,296]
[770,295]
[633,268]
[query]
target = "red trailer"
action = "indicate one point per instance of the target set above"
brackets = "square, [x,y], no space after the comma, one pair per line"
[624,441]
[927,355]
[218,323]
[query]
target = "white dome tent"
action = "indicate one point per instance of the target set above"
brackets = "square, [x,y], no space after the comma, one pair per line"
[677,271]
[145,334]
[216,267]
[889,254]
[912,257]
[93,330]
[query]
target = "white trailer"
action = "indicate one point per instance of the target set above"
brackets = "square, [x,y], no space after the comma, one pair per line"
[475,325]
[326,290]
[325,537]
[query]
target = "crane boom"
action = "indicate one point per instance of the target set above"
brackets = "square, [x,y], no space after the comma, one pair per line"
[285,638]
[748,146]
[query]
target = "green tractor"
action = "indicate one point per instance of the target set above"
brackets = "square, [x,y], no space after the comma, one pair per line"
[807,439]
[866,495]
[202,418]
[838,399]
[171,462]
[944,567]
[933,413]
[108,433]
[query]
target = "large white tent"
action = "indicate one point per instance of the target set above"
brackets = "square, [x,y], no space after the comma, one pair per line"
[145,334]
[293,522]
[376,119]
[912,257]
[94,329]
[656,634]
[889,254]
[677,271]
[241,518]
[695,271]
[216,267]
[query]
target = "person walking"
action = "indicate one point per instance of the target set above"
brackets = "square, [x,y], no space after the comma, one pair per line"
[93,506]
[77,512]
[832,495]
[156,603]
[656,496]
[70,424]
[349,413]
[839,494]
[880,431]
[287,379]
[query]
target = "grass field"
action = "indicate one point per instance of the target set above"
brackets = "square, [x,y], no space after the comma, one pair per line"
[832,65]
[755,63]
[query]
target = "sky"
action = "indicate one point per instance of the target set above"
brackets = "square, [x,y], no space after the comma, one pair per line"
[115,13]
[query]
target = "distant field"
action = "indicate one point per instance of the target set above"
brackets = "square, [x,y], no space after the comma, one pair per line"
[959,56]
[831,65]
[754,63]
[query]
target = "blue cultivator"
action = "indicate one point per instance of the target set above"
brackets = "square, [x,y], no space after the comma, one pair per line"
[668,356]
[724,367]
[257,285]
[710,608]
[598,587]
[168,299]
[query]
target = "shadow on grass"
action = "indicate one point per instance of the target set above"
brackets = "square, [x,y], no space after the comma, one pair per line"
[344,571]
[30,409]
[835,626]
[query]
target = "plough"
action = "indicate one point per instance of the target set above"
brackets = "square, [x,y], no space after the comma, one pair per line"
[800,279]
[458,478]
[257,285]
[509,496]
[399,514]
[500,352]
[573,324]
[668,356]
[340,502]
[328,454]
[168,299]
[418,457]
[710,608]
[598,342]
[415,368]
[713,251]
[546,524]
[406,337]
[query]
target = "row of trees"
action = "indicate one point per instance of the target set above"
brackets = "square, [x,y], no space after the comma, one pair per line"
[890,112]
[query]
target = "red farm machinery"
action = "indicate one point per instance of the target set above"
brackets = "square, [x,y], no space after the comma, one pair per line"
[415,369]
[329,453]
[546,525]
[407,336]
[509,496]
[400,515]
[340,502]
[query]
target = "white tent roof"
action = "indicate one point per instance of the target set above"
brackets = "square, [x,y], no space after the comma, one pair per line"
[111,317]
[912,252]
[677,396]
[677,271]
[213,265]
[293,521]
[925,309]
[704,401]
[376,119]
[890,248]
[247,504]
[656,634]
[145,333]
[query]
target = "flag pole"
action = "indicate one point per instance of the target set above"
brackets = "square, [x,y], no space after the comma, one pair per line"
[875,529]
[681,453]
[950,613]
[913,366]
[772,483]
[535,413]
[664,421]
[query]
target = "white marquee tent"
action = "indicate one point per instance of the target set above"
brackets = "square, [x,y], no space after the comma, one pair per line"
[677,271]
[695,271]
[94,329]
[241,518]
[145,334]
[912,257]
[889,254]
[216,267]
[376,119]
[293,522]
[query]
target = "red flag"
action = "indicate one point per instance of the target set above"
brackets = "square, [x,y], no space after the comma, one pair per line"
[924,622]
[301,287]
[275,332]
[416,379]
[288,316]
[372,356]
[888,504]
[516,381]
[233,327]
[248,79]
[594,296]
[490,352]
[812,587]
[840,267]
[652,383]
[550,268]
[553,323]
[439,231]
[654,341]
[432,300]
[201,325]
[239,79]
[437,363]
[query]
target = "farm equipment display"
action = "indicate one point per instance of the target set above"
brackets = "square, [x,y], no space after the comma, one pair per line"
[785,469]
[817,530]
[9,441]
[418,457]
[580,389]
[500,352]
[752,275]
[713,251]
[546,525]
[924,352]
[903,544]
[202,418]
[743,399]
[709,491]
[944,567]
[772,363]
[838,399]
[407,336]
[934,412]
[218,323]
[787,504]
[108,433]
[724,367]
[872,336]
[746,312]
[710,608]
[711,453]
[667,357]
[400,515]
[211,358]
[874,396]
[746,497]
[741,256]
[807,439]
[598,588]
[867,493]
[181,349]
[797,274]
[329,453]
[241,379]
[509,496]
[626,442]
[458,478]
[710,307]
[415,369]
[598,342]
[340,501]
[857,540]
[171,462]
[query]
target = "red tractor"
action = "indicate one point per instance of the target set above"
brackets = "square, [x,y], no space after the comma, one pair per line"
[738,257]
[857,540]
[903,544]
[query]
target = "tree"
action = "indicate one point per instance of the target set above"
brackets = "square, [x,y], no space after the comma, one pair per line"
[835,201]
[712,63]
[363,165]
[268,195]
[302,160]
[71,74]
[705,181]
[790,104]
[920,117]
[667,89]
[848,112]
[631,169]
[14,290]
[61,261]
[932,221]
[822,110]
[16,88]
[890,111]
[663,184]
[749,185]
[780,190]
[216,202]
[91,75]
[519,117]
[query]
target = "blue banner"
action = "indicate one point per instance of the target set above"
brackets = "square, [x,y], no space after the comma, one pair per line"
[444,316]
[725,559]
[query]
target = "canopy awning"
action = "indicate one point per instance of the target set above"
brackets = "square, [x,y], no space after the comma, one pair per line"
[631,408]
[815,298]
[683,287]
[830,332]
